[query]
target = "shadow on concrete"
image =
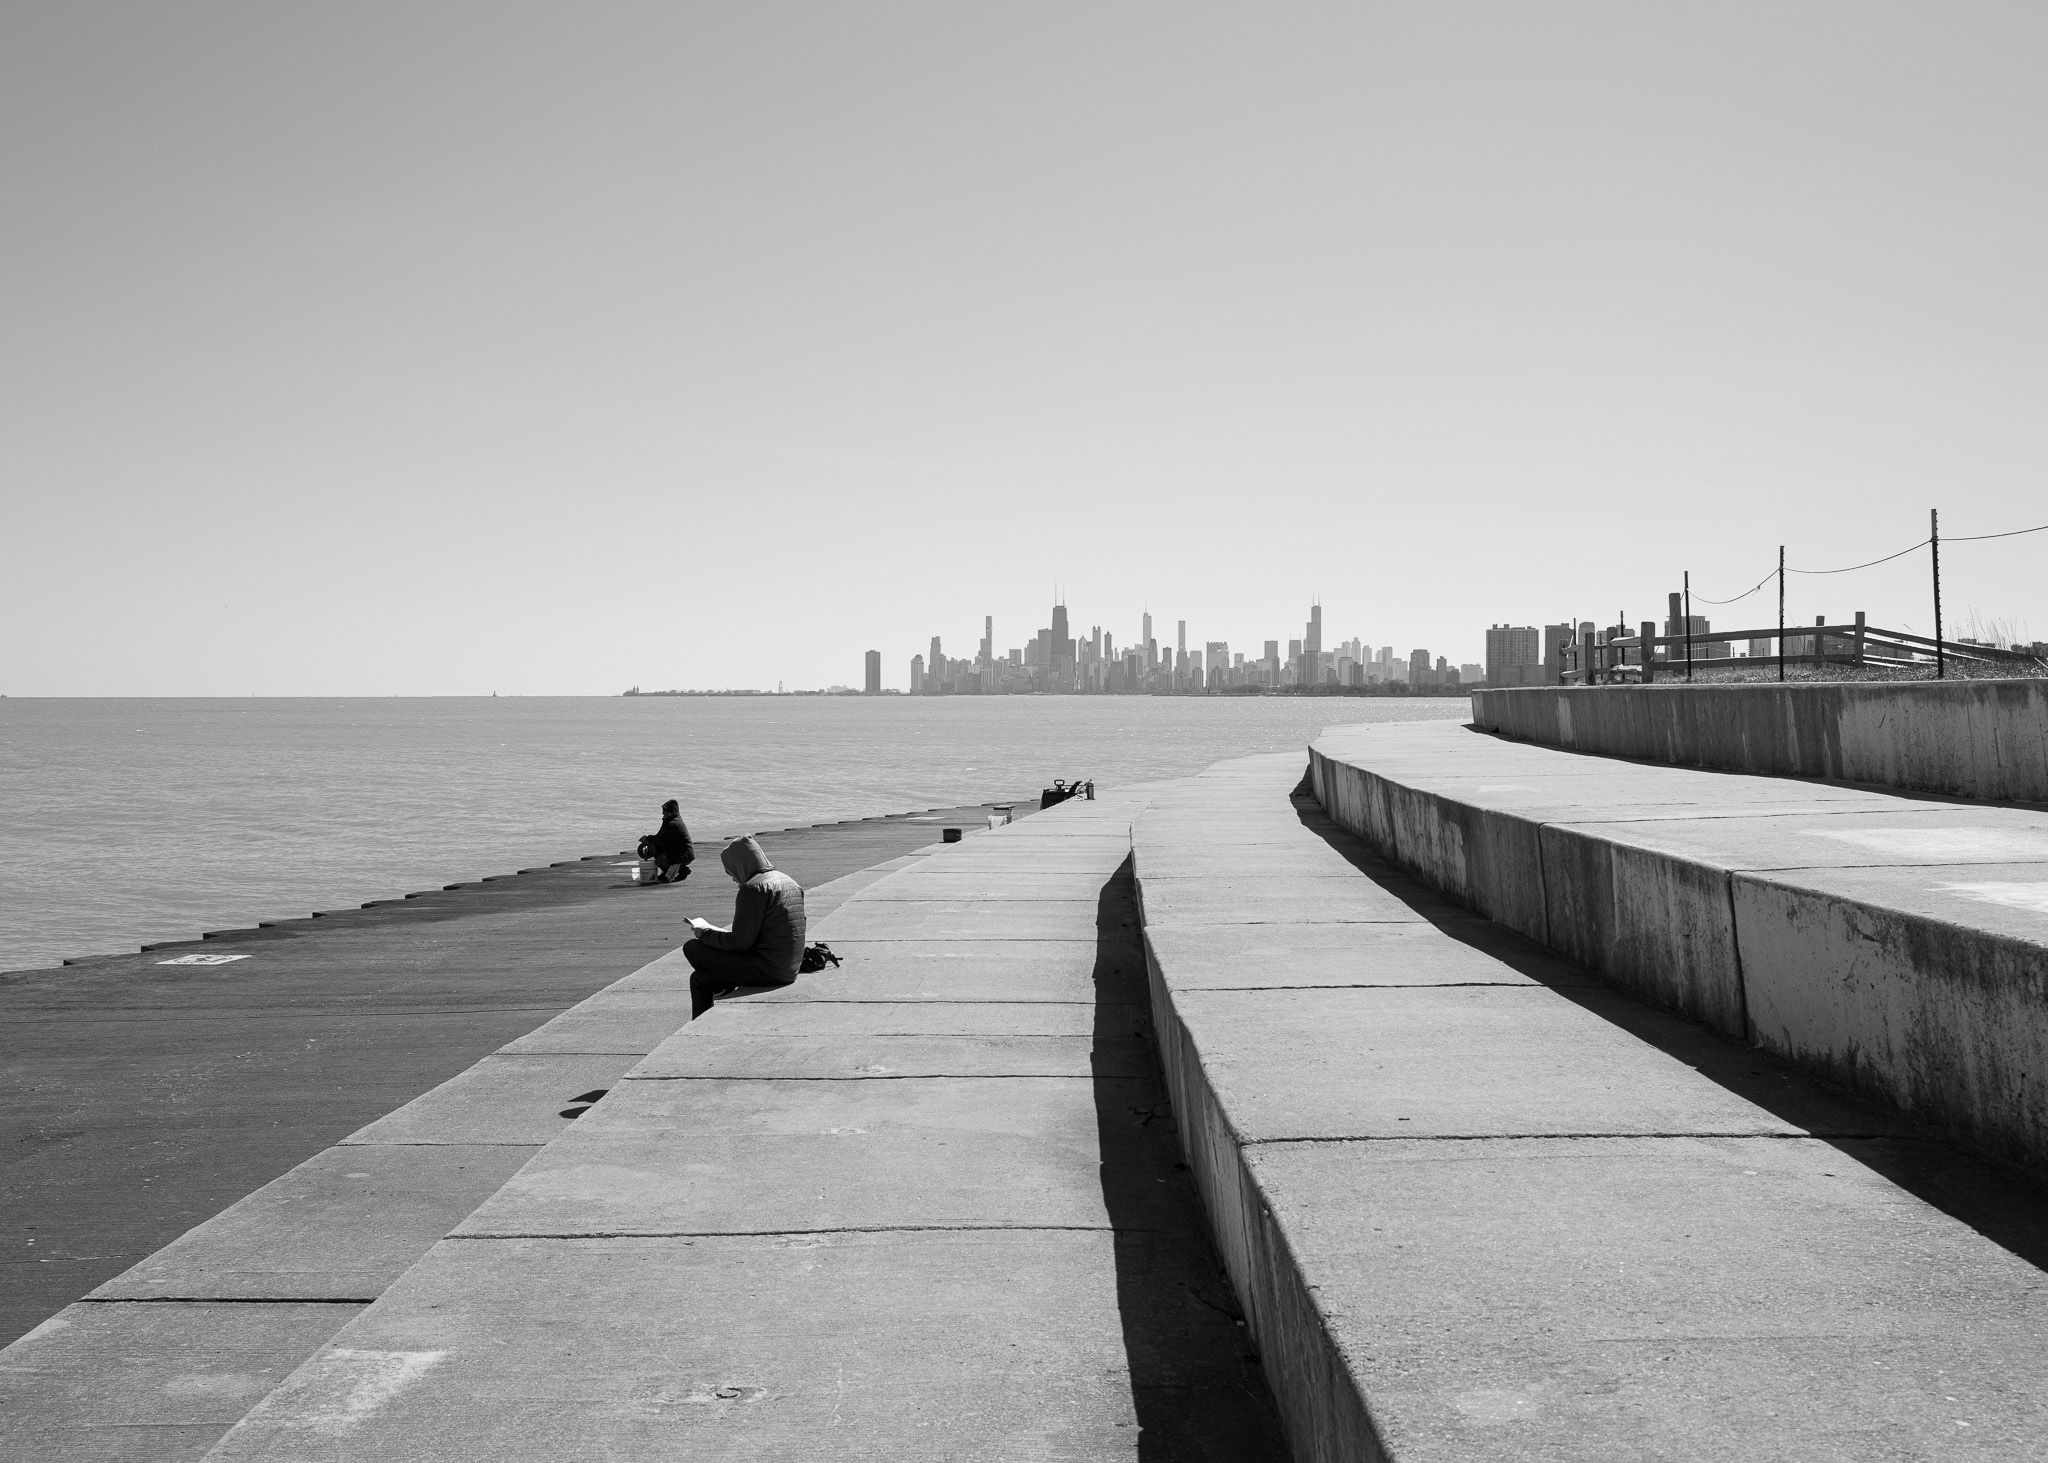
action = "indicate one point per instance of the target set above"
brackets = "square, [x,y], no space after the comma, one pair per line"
[2007,1206]
[1195,1379]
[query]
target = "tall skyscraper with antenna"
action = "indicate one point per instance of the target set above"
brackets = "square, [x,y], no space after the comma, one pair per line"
[1312,647]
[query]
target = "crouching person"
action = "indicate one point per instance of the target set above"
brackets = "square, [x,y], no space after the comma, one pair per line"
[765,942]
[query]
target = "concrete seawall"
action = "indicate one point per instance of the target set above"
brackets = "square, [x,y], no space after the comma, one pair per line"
[1981,739]
[1898,946]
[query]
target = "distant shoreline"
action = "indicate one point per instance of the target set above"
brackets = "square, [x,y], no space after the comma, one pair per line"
[1397,690]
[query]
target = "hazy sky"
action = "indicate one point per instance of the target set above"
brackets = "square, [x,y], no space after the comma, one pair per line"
[437,348]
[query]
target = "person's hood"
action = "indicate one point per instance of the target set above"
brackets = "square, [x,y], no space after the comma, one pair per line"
[743,859]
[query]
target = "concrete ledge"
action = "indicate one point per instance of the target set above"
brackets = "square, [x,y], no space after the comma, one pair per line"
[1897,945]
[1983,739]
[1520,1214]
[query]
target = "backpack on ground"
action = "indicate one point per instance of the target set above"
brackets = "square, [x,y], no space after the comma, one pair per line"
[816,958]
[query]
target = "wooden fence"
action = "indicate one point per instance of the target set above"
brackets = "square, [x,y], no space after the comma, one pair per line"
[1621,658]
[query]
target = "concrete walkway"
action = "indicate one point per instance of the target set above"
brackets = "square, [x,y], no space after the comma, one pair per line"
[218,1079]
[927,1205]
[1479,1204]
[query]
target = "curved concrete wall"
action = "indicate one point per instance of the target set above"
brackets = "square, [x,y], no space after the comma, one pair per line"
[1982,739]
[1899,982]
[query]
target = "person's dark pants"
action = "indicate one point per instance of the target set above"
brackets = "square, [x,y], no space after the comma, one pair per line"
[715,973]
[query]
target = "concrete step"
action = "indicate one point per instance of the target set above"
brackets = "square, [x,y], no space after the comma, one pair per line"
[1478,1204]
[926,1205]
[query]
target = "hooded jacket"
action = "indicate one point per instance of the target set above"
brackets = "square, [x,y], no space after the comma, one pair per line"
[672,844]
[767,915]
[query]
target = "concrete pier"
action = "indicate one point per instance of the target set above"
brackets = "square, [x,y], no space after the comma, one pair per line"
[145,1101]
[928,1204]
[1429,1119]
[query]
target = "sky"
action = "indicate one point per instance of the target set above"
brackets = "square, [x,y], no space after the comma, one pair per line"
[448,349]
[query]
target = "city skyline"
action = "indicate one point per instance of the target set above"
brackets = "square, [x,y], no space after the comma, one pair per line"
[1057,660]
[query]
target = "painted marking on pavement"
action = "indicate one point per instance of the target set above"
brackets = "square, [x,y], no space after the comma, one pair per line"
[1934,845]
[2031,897]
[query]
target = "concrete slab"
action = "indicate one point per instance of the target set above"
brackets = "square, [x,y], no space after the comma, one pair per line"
[1895,834]
[717,1158]
[959,919]
[1678,1298]
[140,1383]
[612,1022]
[964,970]
[1473,1061]
[1311,858]
[2008,901]
[989,884]
[709,1049]
[510,1099]
[1276,957]
[1010,1344]
[802,1019]
[1289,900]
[341,1226]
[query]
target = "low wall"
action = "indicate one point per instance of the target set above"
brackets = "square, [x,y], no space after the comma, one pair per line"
[1980,739]
[1868,986]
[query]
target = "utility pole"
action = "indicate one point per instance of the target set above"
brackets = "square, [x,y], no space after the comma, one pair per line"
[1934,542]
[1781,613]
[1688,627]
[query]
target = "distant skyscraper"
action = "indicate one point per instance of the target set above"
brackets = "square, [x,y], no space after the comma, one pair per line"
[1061,651]
[1513,655]
[1180,643]
[1151,647]
[988,639]
[936,665]
[1555,638]
[1272,662]
[1418,667]
[874,685]
[1312,648]
[917,675]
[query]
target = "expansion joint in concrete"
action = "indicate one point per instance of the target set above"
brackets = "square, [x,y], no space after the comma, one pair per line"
[1659,1136]
[430,1143]
[225,1300]
[608,1234]
[875,1076]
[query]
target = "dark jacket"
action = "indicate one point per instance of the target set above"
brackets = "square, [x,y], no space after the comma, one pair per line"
[767,915]
[672,844]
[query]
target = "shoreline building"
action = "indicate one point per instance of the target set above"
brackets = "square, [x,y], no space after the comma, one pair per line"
[873,686]
[1513,656]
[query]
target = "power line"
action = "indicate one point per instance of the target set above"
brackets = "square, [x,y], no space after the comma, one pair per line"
[1974,537]
[1854,567]
[1744,595]
[1911,548]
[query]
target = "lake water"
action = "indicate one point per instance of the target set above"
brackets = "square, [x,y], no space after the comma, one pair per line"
[133,821]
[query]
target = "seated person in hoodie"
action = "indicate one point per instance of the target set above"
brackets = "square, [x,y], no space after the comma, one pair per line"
[766,939]
[671,851]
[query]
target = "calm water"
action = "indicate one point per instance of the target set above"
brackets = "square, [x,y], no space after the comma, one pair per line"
[130,821]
